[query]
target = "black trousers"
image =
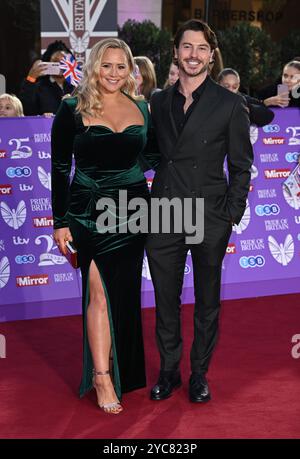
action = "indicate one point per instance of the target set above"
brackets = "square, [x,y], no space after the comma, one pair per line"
[166,255]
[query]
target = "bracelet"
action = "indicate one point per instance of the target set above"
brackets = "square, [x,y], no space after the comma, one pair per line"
[31,79]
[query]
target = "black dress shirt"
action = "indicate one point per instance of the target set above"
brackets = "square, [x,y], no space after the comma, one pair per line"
[178,102]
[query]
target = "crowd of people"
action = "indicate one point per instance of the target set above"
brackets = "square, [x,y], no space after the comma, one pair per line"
[118,124]
[41,94]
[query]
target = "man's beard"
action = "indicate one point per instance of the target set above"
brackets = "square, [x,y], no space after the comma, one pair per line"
[203,69]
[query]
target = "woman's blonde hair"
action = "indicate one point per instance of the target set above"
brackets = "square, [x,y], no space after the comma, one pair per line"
[16,103]
[88,91]
[147,71]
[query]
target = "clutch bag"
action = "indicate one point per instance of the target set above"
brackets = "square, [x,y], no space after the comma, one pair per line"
[72,255]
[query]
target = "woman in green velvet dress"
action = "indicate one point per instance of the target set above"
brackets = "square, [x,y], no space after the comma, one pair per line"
[106,127]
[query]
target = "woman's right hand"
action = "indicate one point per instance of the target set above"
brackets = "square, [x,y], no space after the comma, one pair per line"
[37,69]
[61,236]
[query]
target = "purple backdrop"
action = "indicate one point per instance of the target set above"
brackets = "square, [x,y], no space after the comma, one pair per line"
[262,256]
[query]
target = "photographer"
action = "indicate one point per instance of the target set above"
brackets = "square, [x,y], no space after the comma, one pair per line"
[40,93]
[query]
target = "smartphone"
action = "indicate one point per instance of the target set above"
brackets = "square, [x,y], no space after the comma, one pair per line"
[282,88]
[72,254]
[52,68]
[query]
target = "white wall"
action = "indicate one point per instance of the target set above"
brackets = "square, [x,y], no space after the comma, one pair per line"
[139,10]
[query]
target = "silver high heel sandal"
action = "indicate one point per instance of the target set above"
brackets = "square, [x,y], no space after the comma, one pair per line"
[111,408]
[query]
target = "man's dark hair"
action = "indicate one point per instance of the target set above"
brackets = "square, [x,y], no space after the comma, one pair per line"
[197,26]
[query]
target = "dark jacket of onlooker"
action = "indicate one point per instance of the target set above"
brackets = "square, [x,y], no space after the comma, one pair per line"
[43,96]
[259,114]
[271,91]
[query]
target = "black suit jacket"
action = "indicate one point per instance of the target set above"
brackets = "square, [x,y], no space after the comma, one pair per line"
[192,162]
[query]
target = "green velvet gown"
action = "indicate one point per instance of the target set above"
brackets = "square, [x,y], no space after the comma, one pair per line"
[105,162]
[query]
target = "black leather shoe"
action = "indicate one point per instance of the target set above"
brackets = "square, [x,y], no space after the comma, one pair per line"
[167,382]
[199,390]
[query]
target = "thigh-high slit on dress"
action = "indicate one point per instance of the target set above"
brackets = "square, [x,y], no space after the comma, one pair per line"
[105,163]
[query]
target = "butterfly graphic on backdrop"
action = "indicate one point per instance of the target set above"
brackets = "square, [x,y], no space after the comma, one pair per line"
[245,220]
[79,44]
[283,253]
[14,217]
[4,271]
[254,172]
[45,178]
[253,134]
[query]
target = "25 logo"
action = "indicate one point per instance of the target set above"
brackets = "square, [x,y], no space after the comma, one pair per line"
[21,151]
[252,262]
[18,172]
[267,209]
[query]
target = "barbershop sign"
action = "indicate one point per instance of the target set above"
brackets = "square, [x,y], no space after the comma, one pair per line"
[242,15]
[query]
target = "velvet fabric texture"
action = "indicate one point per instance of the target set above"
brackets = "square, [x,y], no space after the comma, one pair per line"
[105,163]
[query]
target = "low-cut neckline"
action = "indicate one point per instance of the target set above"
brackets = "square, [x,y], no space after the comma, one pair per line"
[110,129]
[123,130]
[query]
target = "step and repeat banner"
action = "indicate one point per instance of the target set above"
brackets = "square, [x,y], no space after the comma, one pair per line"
[31,267]
[265,246]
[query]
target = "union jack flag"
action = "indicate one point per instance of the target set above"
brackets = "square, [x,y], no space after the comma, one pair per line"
[71,70]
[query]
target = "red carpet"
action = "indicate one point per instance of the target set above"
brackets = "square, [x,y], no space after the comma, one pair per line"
[253,378]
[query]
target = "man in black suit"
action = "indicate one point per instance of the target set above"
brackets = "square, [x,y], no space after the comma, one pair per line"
[197,123]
